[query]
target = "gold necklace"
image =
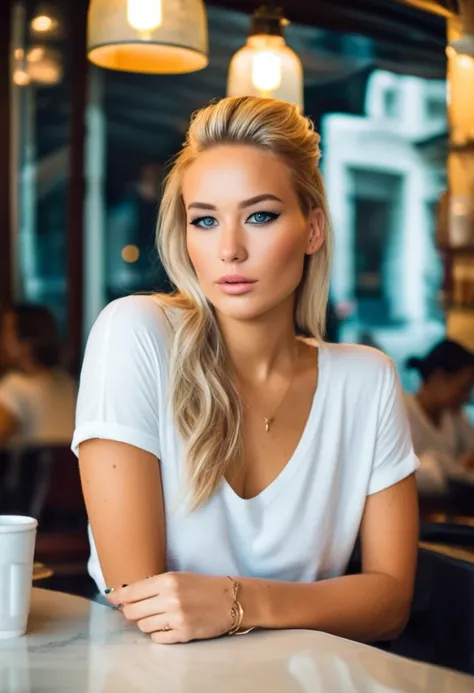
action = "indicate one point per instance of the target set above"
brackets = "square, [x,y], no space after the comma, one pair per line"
[268,420]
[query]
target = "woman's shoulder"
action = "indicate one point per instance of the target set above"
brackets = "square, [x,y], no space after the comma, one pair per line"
[360,371]
[13,381]
[138,317]
[357,359]
[151,311]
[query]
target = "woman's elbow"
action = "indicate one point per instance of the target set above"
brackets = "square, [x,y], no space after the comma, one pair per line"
[397,619]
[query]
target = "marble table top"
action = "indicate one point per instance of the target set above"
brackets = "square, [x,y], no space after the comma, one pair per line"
[76,646]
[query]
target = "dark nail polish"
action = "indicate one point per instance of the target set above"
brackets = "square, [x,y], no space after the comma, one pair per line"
[124,585]
[109,590]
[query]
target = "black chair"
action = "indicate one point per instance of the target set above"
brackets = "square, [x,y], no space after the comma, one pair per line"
[441,626]
[44,483]
[462,496]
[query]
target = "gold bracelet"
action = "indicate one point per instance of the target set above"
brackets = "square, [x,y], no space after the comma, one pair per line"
[237,612]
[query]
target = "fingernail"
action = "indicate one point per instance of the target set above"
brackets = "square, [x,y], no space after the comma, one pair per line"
[118,607]
[124,585]
[109,590]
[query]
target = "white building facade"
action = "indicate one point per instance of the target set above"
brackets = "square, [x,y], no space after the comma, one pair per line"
[383,194]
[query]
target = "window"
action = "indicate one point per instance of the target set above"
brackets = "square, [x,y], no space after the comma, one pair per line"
[436,109]
[391,103]
[41,111]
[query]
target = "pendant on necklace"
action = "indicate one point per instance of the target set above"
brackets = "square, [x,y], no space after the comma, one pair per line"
[268,423]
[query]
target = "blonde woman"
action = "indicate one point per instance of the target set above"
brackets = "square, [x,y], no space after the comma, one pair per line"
[228,465]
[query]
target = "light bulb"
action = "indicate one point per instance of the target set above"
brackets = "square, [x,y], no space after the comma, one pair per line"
[465,61]
[266,71]
[130,253]
[21,78]
[35,54]
[42,23]
[144,15]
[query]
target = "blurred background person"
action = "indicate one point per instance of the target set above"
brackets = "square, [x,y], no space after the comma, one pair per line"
[37,396]
[442,436]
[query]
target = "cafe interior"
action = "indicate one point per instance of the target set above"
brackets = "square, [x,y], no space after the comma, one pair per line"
[95,103]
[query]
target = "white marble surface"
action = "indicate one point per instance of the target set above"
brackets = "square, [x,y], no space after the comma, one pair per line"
[74,646]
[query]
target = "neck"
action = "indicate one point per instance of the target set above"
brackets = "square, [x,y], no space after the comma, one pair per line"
[431,408]
[259,348]
[32,368]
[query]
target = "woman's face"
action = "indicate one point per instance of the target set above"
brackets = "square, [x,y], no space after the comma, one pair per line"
[455,389]
[247,236]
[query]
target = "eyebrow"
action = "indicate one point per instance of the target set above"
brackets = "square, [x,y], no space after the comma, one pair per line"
[242,205]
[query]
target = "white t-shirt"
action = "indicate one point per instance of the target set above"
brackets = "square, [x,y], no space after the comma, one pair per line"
[439,448]
[44,405]
[304,525]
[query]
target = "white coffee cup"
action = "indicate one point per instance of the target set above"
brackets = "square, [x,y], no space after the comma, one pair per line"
[17,548]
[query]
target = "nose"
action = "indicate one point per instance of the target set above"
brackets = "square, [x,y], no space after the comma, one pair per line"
[231,245]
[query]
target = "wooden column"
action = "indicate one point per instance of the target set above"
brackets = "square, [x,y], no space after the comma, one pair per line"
[75,237]
[460,201]
[6,269]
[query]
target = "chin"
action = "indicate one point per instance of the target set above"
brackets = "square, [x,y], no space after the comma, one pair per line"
[241,308]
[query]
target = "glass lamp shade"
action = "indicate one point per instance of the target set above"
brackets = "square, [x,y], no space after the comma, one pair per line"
[266,67]
[461,30]
[148,36]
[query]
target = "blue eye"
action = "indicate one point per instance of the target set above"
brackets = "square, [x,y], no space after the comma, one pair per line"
[203,222]
[262,217]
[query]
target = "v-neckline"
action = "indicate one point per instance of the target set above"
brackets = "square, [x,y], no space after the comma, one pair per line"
[299,453]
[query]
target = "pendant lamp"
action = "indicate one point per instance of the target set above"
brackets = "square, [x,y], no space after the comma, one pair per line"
[148,36]
[266,66]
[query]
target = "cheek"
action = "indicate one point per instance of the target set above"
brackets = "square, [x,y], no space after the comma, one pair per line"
[286,255]
[198,254]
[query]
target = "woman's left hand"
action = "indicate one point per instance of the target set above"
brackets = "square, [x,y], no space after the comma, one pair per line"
[178,607]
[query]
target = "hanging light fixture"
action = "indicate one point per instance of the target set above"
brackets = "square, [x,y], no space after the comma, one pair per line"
[46,21]
[266,66]
[463,37]
[148,36]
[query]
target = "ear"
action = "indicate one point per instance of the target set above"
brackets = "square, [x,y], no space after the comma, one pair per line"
[317,230]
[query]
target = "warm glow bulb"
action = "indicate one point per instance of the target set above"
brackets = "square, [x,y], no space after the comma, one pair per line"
[42,23]
[21,78]
[144,15]
[130,253]
[266,71]
[35,54]
[466,61]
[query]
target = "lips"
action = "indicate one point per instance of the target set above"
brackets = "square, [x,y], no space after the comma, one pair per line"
[235,284]
[235,279]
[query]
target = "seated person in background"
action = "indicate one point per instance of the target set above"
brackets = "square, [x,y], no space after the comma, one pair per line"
[215,442]
[442,436]
[37,398]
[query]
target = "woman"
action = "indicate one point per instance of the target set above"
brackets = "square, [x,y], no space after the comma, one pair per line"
[37,398]
[274,451]
[442,436]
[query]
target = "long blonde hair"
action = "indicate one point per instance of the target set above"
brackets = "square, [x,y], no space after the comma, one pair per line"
[206,405]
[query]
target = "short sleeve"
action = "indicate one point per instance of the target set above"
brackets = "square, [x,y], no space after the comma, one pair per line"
[119,390]
[394,458]
[12,396]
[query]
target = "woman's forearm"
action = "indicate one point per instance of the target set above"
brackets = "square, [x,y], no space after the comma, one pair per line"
[364,607]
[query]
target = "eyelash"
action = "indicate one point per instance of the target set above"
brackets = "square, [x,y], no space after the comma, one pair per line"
[273,216]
